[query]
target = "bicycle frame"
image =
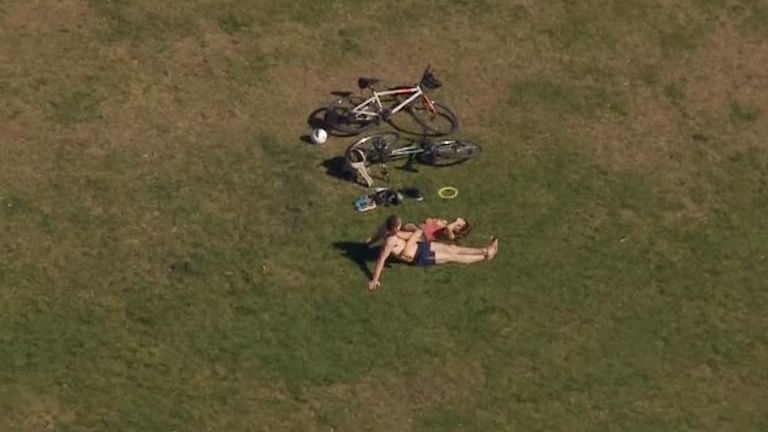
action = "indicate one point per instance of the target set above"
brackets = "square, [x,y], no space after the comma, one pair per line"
[376,150]
[415,93]
[406,151]
[409,152]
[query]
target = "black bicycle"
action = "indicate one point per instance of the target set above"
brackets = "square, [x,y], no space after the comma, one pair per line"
[380,148]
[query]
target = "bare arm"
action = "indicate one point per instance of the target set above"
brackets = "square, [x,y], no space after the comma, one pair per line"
[450,228]
[409,227]
[374,284]
[415,237]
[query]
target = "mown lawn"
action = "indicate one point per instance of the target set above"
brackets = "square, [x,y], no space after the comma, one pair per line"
[176,258]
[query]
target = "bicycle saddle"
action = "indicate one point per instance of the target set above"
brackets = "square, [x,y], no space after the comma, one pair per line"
[364,83]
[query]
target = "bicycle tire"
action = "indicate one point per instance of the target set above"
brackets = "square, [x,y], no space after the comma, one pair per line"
[450,152]
[368,144]
[444,122]
[340,118]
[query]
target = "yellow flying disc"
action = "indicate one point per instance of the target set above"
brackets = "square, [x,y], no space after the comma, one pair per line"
[448,192]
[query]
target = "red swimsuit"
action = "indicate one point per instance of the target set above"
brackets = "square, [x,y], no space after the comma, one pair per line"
[430,228]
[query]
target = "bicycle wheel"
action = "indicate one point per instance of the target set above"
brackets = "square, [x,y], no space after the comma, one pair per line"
[374,148]
[442,122]
[450,152]
[339,117]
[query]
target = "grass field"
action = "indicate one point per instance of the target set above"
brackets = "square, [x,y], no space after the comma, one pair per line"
[176,258]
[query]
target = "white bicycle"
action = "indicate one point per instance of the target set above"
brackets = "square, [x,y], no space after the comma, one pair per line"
[351,115]
[380,148]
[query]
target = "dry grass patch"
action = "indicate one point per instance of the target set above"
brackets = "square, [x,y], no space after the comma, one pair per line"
[701,108]
[398,403]
[686,102]
[646,137]
[453,45]
[42,415]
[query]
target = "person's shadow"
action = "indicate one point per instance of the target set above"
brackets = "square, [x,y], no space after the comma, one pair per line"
[360,253]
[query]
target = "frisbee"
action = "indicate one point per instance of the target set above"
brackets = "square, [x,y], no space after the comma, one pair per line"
[448,192]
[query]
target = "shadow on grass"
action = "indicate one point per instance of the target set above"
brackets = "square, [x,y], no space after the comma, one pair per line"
[400,124]
[359,253]
[316,120]
[337,167]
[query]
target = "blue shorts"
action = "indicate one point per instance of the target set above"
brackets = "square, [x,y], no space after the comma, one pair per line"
[424,255]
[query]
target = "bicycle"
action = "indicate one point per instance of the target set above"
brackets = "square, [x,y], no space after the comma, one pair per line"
[382,147]
[352,115]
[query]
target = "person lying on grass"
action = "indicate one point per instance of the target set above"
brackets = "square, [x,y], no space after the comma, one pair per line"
[433,229]
[411,247]
[441,230]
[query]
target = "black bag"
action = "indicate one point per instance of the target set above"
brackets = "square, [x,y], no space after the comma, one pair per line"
[387,197]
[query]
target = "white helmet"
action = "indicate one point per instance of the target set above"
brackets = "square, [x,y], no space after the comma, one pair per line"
[319,136]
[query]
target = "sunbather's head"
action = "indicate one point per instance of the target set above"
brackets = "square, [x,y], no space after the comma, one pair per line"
[460,228]
[394,223]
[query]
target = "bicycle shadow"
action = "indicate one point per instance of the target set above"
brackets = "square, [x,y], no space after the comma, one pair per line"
[337,167]
[405,124]
[359,253]
[316,120]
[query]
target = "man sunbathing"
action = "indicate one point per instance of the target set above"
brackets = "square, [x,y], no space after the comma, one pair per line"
[410,247]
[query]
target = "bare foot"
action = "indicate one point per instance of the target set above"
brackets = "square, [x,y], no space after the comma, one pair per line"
[492,250]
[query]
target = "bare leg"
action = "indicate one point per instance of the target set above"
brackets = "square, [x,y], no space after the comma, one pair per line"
[450,257]
[450,254]
[489,252]
[457,249]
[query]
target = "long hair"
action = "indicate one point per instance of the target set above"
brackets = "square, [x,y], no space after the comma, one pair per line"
[393,222]
[460,234]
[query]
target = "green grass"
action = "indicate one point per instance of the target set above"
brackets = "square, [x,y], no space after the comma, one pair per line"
[233,22]
[176,258]
[743,113]
[76,106]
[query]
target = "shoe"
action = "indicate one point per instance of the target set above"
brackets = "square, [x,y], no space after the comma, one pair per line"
[387,197]
[413,194]
[364,203]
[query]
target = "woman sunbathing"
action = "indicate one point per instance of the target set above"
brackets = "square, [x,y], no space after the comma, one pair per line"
[442,230]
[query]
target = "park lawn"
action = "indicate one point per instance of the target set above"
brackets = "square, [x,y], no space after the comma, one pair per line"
[176,258]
